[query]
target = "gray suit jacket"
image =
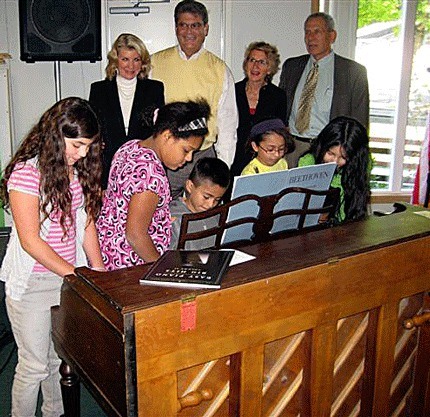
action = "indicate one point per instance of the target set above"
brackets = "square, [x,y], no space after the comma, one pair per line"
[351,88]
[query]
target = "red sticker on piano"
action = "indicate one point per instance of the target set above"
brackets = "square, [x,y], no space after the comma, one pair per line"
[188,315]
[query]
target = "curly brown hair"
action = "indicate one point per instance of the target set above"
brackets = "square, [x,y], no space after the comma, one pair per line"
[272,55]
[72,117]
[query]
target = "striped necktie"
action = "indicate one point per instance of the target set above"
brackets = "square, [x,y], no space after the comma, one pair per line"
[306,99]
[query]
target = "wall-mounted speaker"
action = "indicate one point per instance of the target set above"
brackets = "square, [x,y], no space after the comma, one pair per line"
[60,30]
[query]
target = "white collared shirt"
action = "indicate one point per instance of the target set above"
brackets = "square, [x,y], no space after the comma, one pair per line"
[228,118]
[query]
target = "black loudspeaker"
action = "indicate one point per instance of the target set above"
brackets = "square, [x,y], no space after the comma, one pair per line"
[60,30]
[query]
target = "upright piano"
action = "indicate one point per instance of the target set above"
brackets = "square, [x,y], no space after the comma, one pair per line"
[332,322]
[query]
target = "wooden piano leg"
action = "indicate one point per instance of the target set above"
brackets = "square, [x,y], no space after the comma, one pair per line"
[70,390]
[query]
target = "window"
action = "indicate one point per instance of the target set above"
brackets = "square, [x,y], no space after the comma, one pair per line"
[393,42]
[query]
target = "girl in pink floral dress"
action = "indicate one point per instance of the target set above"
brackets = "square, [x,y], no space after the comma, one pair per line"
[134,224]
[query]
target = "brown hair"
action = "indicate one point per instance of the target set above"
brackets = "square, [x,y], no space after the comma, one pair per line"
[72,117]
[193,7]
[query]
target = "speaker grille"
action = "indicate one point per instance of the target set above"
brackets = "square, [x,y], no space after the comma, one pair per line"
[35,44]
[60,21]
[63,30]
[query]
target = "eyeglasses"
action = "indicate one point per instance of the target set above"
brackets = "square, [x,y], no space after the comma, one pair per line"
[261,62]
[193,26]
[273,151]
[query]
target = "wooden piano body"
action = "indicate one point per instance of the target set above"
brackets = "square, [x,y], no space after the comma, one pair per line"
[312,327]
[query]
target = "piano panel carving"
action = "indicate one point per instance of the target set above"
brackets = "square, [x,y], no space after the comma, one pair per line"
[313,327]
[282,387]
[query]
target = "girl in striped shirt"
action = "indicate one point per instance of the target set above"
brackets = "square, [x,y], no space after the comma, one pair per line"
[52,187]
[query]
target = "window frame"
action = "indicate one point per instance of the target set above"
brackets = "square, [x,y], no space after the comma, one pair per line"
[345,15]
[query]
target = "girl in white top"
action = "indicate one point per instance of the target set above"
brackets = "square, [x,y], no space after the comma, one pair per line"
[52,187]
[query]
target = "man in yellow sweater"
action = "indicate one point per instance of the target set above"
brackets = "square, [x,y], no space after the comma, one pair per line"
[189,71]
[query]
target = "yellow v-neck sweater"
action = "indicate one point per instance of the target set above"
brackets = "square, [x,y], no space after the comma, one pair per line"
[190,79]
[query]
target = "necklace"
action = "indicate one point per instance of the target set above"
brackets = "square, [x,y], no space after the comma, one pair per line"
[126,88]
[252,95]
[126,93]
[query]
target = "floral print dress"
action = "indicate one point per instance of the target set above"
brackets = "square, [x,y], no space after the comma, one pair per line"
[134,169]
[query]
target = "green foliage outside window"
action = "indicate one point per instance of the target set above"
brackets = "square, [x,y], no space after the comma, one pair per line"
[373,11]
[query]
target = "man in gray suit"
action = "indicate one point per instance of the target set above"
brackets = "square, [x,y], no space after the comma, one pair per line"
[342,88]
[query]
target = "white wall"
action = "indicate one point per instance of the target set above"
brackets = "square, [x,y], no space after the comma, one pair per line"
[157,29]
[233,25]
[345,12]
[279,22]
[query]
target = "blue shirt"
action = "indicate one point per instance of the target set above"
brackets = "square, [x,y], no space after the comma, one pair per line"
[320,112]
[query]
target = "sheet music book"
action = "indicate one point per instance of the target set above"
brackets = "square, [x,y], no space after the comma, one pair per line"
[189,269]
[315,177]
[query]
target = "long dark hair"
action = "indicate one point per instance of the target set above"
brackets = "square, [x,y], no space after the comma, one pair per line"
[72,117]
[352,137]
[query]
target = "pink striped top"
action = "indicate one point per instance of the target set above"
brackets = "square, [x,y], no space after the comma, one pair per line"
[26,178]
